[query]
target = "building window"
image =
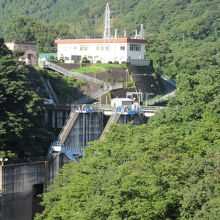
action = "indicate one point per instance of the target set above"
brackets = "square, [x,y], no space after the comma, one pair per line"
[103,47]
[84,47]
[107,47]
[135,47]
[29,56]
[65,48]
[122,47]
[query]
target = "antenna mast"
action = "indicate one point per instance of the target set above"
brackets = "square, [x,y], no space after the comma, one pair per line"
[142,32]
[107,28]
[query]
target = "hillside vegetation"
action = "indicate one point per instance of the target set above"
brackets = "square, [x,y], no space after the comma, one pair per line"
[21,108]
[175,29]
[193,18]
[169,168]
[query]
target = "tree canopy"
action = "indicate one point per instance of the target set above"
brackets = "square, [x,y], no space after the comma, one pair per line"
[20,129]
[151,171]
[177,21]
[28,29]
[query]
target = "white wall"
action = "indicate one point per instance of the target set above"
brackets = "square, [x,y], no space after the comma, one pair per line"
[100,51]
[136,54]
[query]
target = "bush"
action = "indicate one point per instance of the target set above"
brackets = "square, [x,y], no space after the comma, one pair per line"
[109,62]
[131,85]
[80,82]
[98,61]
[108,70]
[124,62]
[85,60]
[116,62]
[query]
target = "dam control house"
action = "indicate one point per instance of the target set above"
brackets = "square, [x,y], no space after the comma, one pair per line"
[109,48]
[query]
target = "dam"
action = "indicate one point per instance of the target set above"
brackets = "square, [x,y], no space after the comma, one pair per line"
[23,180]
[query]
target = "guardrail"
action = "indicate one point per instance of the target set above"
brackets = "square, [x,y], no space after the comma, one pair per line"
[94,95]
[74,74]
[103,106]
[107,87]
[160,99]
[113,86]
[98,93]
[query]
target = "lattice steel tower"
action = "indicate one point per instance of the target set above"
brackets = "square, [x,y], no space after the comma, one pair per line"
[107,28]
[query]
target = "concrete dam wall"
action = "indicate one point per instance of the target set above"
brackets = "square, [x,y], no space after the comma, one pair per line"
[22,183]
[88,127]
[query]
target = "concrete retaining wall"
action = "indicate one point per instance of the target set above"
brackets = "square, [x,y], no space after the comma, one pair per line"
[21,185]
[18,183]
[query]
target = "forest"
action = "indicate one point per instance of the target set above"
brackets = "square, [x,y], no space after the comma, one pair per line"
[175,29]
[21,131]
[166,169]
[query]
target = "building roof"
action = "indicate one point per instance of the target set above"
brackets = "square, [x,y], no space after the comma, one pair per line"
[101,40]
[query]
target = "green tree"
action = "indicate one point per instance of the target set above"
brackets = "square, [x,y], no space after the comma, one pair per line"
[159,51]
[31,30]
[21,108]
[143,172]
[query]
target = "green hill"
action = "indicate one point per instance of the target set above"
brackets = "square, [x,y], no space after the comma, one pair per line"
[193,18]
[175,29]
[167,169]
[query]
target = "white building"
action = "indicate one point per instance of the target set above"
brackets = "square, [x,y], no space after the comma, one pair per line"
[117,102]
[104,50]
[107,49]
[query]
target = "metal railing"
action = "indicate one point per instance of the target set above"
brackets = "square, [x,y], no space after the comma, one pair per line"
[98,93]
[107,87]
[91,97]
[113,86]
[74,74]
[160,99]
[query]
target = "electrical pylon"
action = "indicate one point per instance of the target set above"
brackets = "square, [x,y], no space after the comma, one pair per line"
[107,28]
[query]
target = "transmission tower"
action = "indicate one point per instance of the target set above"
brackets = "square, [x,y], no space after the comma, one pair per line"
[107,28]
